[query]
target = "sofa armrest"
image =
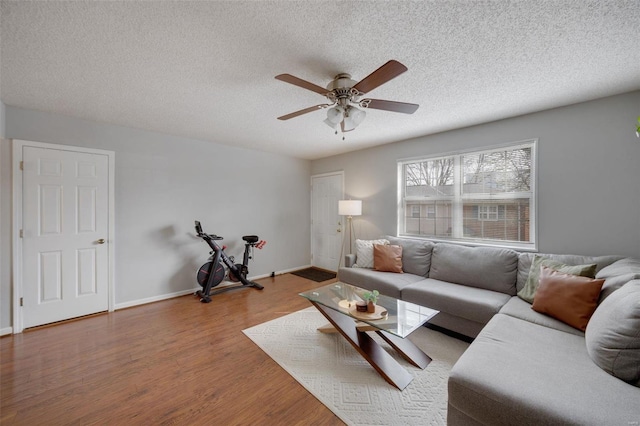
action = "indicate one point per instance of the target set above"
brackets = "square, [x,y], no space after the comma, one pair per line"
[349,260]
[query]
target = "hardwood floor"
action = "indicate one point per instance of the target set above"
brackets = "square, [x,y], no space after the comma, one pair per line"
[174,362]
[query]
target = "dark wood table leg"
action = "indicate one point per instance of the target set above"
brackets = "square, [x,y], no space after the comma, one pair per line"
[407,349]
[370,350]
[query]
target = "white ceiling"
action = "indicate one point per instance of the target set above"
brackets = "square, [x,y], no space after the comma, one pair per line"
[206,70]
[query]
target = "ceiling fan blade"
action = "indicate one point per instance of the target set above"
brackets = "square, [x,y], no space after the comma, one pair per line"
[288,78]
[303,111]
[388,71]
[402,107]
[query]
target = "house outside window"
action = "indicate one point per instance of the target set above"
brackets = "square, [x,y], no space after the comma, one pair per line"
[431,211]
[415,211]
[485,197]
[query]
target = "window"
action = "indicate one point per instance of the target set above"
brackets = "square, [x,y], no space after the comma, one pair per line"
[490,211]
[431,211]
[485,197]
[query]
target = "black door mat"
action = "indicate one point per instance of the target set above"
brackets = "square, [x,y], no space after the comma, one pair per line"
[315,274]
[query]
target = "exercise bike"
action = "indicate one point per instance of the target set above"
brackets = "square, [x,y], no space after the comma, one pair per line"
[220,266]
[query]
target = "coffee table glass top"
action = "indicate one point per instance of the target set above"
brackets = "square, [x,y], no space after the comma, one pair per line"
[395,316]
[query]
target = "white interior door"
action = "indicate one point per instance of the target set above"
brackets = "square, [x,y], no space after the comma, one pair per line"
[326,225]
[65,255]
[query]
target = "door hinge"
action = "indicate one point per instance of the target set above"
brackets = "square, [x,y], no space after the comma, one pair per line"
[21,234]
[21,301]
[22,165]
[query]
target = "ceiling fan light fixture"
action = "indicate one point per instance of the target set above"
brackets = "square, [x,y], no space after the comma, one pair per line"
[353,118]
[334,116]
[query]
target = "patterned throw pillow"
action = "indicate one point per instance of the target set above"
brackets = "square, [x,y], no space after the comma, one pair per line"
[364,252]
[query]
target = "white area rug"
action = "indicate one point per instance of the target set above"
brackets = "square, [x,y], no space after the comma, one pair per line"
[328,367]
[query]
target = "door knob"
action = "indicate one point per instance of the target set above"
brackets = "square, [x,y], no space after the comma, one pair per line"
[100,241]
[338,230]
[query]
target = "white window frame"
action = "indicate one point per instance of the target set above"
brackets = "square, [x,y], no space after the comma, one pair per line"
[488,212]
[458,198]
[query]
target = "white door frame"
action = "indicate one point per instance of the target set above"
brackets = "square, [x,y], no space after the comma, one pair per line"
[336,173]
[16,250]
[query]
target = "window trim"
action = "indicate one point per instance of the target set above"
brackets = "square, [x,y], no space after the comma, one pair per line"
[532,245]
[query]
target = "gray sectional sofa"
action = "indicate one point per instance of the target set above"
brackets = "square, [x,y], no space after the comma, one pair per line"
[523,367]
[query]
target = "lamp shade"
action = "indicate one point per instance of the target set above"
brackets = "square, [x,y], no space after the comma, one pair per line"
[334,116]
[350,207]
[353,118]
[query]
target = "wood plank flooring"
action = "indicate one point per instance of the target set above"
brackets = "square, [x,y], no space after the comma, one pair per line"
[175,362]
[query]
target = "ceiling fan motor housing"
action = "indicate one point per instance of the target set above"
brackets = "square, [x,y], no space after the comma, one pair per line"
[341,90]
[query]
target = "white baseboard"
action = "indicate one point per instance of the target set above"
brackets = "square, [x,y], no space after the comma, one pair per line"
[9,330]
[144,301]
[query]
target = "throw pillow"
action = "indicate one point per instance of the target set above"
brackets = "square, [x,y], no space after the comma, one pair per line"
[569,298]
[387,258]
[613,334]
[528,292]
[364,252]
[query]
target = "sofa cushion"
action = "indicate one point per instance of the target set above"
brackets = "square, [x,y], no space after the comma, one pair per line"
[387,283]
[471,303]
[618,274]
[416,255]
[528,292]
[518,308]
[364,252]
[525,259]
[483,267]
[613,334]
[570,298]
[519,373]
[387,258]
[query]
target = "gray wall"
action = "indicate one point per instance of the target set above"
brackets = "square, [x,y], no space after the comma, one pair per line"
[588,174]
[163,183]
[2,119]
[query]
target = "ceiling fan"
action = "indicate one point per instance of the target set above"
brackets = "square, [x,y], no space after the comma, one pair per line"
[344,95]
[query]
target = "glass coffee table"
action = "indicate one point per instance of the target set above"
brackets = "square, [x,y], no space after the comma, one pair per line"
[393,320]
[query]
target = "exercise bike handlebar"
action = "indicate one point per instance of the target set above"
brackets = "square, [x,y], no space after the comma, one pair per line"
[203,235]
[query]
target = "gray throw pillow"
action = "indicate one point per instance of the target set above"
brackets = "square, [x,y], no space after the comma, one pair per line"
[613,334]
[416,255]
[528,292]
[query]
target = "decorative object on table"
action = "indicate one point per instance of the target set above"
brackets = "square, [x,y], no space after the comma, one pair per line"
[379,312]
[638,128]
[371,298]
[361,306]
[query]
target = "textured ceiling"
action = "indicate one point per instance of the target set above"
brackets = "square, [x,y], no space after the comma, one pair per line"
[206,70]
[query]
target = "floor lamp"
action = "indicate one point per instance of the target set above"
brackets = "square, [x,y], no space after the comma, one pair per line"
[349,208]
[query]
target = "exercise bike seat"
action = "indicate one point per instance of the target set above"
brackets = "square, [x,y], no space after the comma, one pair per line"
[251,238]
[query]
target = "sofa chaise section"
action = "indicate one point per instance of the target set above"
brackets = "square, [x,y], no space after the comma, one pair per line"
[518,372]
